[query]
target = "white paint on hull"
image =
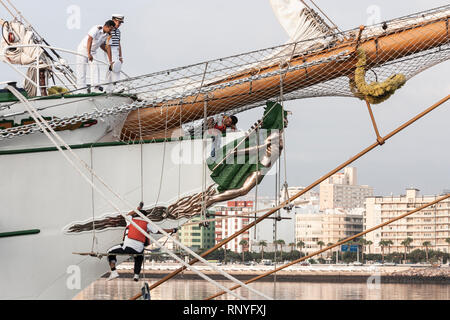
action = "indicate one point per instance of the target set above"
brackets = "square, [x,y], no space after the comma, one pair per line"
[66,107]
[40,190]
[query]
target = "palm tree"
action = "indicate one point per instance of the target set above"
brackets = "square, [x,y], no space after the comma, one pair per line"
[243,243]
[363,243]
[320,244]
[426,244]
[406,244]
[292,246]
[369,243]
[300,245]
[382,244]
[389,244]
[262,244]
[281,243]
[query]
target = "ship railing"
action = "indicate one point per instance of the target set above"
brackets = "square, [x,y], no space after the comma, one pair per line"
[61,70]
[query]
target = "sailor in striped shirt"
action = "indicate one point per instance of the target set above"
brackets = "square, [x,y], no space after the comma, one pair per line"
[114,51]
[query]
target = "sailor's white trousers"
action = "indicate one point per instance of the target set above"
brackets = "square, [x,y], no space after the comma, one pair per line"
[82,66]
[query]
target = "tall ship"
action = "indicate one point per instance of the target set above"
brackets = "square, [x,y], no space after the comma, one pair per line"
[75,160]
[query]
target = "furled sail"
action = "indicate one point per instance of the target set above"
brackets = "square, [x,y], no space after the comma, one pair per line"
[299,22]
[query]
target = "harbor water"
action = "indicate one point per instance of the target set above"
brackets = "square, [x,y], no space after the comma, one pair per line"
[124,288]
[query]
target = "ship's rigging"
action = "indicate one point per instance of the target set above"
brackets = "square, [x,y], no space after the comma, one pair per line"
[321,66]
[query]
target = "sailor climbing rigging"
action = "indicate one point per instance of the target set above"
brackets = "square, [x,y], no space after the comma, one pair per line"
[134,243]
[228,122]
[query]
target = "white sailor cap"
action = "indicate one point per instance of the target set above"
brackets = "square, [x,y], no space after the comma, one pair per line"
[119,17]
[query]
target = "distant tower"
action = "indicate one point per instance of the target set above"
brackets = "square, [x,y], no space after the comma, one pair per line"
[351,175]
[341,190]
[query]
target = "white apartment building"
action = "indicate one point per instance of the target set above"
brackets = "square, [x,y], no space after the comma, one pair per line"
[265,230]
[229,226]
[310,197]
[431,224]
[328,226]
[342,191]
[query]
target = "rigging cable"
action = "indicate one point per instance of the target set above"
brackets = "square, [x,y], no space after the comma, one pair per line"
[205,115]
[314,184]
[94,238]
[257,132]
[163,160]
[337,244]
[142,156]
[48,131]
[323,13]
[285,185]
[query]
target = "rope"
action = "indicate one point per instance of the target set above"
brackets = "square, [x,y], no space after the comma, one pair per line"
[93,207]
[285,185]
[142,182]
[205,116]
[179,162]
[40,122]
[318,67]
[318,8]
[257,169]
[163,161]
[311,186]
[277,199]
[142,156]
[256,127]
[44,127]
[336,244]
[234,216]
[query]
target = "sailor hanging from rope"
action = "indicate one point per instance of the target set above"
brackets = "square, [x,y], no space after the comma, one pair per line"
[227,123]
[134,243]
[215,129]
[114,51]
[87,48]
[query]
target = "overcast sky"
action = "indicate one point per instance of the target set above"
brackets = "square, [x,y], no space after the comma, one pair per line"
[323,132]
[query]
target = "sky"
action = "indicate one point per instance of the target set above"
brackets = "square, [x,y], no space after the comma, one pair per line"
[322,132]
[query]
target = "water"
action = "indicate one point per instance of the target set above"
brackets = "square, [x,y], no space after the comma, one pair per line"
[124,288]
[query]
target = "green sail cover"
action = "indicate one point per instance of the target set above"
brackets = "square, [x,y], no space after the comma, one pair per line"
[232,172]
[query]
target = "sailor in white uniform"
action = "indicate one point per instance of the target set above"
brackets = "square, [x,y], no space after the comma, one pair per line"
[87,48]
[114,51]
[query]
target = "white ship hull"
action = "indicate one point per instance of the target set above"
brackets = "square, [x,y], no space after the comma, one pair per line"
[41,191]
[60,108]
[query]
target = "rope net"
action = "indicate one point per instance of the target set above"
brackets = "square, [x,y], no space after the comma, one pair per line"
[368,63]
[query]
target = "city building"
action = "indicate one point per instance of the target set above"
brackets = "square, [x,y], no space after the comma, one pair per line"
[267,230]
[309,197]
[169,244]
[270,229]
[232,223]
[196,237]
[328,226]
[342,191]
[428,225]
